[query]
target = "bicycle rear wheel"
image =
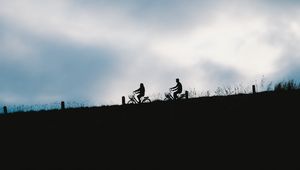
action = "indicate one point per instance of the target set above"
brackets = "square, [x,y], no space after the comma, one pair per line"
[147,101]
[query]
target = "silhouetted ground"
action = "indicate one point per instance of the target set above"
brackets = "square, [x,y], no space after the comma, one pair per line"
[242,131]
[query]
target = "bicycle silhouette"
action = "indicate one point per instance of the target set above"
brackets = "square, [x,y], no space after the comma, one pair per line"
[133,100]
[170,97]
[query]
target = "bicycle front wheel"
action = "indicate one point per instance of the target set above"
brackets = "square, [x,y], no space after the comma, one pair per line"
[167,99]
[130,102]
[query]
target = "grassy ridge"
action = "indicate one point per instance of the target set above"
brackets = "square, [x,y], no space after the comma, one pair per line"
[256,128]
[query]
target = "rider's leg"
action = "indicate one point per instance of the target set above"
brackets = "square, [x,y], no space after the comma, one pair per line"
[175,95]
[139,97]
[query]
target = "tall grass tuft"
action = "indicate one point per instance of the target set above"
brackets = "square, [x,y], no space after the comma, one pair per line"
[287,86]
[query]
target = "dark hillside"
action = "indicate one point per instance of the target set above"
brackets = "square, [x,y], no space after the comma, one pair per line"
[209,131]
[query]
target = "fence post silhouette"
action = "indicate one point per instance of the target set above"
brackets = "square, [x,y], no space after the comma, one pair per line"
[186,94]
[5,110]
[123,100]
[253,89]
[62,105]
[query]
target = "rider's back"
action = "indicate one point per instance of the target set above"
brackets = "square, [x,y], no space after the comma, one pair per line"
[179,85]
[142,90]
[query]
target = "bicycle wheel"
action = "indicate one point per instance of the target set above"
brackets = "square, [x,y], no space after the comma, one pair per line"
[130,102]
[147,101]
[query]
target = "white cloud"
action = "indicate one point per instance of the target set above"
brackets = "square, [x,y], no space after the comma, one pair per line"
[156,47]
[16,48]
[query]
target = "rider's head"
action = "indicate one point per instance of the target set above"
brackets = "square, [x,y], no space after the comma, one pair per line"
[141,85]
[177,80]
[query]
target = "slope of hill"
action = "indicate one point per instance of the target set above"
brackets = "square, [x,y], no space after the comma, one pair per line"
[213,131]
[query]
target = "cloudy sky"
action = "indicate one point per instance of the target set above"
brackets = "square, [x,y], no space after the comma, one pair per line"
[100,50]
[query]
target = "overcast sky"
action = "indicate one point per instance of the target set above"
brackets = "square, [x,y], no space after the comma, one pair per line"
[100,50]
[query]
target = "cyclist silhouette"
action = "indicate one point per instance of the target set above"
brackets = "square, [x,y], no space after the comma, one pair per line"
[177,89]
[140,92]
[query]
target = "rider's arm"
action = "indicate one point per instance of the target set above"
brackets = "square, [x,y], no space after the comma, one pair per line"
[135,91]
[174,88]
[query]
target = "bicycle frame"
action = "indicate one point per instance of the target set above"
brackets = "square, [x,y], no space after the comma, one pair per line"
[135,101]
[133,98]
[169,95]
